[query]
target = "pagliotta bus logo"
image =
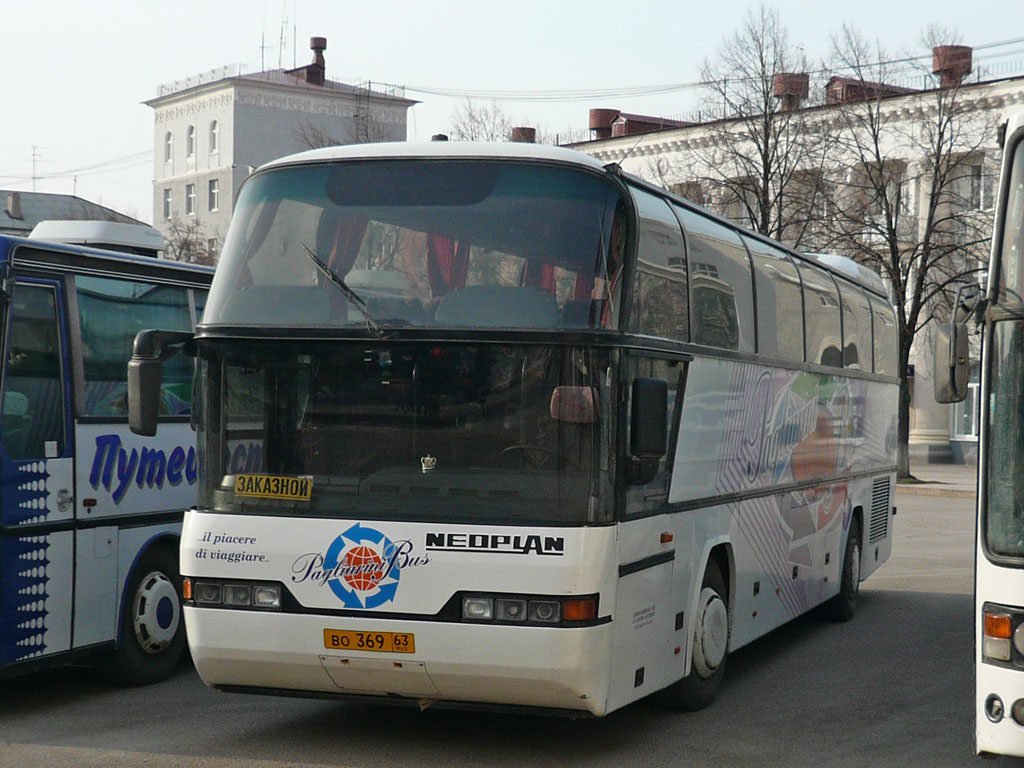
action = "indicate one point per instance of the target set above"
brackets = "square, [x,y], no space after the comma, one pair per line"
[362,567]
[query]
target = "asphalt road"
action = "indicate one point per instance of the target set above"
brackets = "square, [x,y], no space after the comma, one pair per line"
[891,688]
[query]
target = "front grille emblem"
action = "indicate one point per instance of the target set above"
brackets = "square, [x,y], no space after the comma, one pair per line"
[428,463]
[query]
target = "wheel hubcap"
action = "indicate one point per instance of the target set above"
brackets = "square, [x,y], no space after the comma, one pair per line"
[712,633]
[156,612]
[855,569]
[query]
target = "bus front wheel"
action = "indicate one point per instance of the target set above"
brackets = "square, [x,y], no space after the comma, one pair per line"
[710,643]
[152,625]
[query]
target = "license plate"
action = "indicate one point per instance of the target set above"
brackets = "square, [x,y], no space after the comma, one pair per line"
[387,642]
[274,487]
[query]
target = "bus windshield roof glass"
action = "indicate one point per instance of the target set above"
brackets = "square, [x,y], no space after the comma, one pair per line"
[455,243]
[412,431]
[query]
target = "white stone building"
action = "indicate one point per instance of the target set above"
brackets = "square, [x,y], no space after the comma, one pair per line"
[937,432]
[211,131]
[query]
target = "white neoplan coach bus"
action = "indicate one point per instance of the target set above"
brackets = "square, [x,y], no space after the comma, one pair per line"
[562,441]
[999,559]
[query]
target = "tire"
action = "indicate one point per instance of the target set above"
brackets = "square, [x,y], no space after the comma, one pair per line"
[710,645]
[843,606]
[152,624]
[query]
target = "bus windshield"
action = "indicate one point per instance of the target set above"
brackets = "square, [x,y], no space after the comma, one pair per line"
[401,242]
[410,431]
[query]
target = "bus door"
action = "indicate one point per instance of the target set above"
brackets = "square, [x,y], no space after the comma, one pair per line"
[36,459]
[652,556]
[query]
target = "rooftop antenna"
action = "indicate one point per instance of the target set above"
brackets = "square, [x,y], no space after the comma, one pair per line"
[282,37]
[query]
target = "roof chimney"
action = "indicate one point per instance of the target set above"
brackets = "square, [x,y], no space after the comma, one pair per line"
[601,122]
[439,137]
[524,135]
[316,72]
[951,63]
[791,88]
[14,205]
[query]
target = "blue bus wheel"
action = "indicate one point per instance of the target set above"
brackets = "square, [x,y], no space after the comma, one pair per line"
[152,637]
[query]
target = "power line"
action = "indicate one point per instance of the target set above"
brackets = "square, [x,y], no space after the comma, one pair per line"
[568,95]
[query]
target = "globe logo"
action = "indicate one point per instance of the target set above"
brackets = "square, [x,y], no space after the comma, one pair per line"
[365,568]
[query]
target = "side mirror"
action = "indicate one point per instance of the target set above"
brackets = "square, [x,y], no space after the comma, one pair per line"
[145,371]
[648,433]
[952,363]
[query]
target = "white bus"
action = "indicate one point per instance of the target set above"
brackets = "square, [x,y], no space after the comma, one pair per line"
[565,440]
[90,514]
[999,560]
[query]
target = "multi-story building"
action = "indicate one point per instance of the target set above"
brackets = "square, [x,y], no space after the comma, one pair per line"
[683,158]
[212,130]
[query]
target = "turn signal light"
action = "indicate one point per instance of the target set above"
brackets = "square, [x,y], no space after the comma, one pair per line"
[996,640]
[997,625]
[580,610]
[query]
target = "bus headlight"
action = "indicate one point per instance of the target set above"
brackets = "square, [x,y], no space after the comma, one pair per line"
[477,608]
[208,593]
[266,597]
[531,609]
[237,594]
[510,610]
[545,611]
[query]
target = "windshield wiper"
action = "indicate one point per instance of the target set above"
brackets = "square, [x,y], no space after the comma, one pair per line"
[372,325]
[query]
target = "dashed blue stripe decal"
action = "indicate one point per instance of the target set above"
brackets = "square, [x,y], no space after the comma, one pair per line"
[24,489]
[23,595]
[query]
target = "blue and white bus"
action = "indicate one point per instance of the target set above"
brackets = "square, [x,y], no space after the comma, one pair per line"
[90,514]
[500,426]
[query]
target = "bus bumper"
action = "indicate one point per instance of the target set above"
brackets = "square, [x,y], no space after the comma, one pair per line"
[537,667]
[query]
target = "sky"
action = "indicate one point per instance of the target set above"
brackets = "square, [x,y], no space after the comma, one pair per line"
[74,75]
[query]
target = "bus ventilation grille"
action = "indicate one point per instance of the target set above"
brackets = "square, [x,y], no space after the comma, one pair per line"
[879,509]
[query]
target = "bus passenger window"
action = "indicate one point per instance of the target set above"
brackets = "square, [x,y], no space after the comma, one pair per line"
[721,287]
[659,295]
[780,317]
[821,304]
[33,402]
[111,313]
[856,327]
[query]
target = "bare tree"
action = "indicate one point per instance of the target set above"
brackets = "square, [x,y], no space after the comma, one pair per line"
[906,192]
[313,136]
[763,156]
[472,121]
[188,241]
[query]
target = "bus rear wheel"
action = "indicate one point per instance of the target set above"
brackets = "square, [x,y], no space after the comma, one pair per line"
[843,606]
[710,644]
[152,625]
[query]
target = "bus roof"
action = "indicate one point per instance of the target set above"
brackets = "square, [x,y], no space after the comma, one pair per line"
[442,149]
[101,234]
[65,253]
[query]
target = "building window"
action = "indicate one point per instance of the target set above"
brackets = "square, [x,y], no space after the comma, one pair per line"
[973,187]
[167,203]
[214,194]
[190,199]
[214,137]
[168,147]
[190,143]
[965,413]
